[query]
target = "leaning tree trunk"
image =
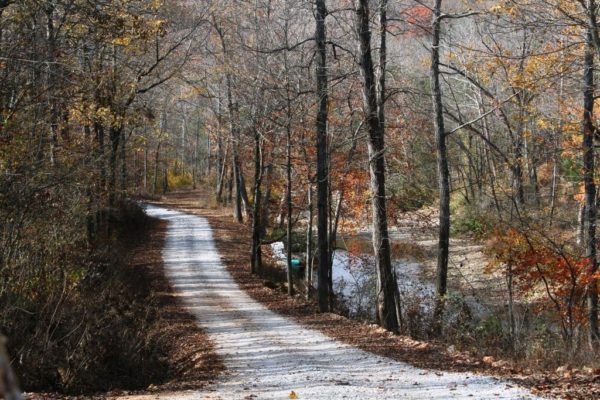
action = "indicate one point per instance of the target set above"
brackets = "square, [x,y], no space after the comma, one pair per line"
[322,167]
[386,305]
[443,171]
[222,173]
[588,179]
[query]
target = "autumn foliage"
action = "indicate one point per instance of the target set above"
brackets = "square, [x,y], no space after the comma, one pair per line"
[554,278]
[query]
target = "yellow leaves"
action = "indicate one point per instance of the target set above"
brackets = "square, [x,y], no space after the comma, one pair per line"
[122,41]
[157,26]
[569,7]
[505,8]
[496,9]
[542,124]
[525,74]
[134,26]
[156,4]
[106,116]
[103,113]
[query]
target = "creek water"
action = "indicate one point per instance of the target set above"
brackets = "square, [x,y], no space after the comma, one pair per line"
[355,279]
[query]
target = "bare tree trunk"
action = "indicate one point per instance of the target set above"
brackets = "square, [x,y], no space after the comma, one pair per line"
[511,305]
[230,185]
[50,79]
[195,161]
[309,243]
[442,169]
[491,164]
[221,178]
[267,197]
[322,165]
[581,224]
[181,168]
[588,179]
[256,259]
[556,149]
[237,206]
[330,239]
[145,166]
[232,108]
[517,167]
[208,153]
[288,169]
[381,92]
[156,159]
[243,192]
[221,155]
[165,179]
[530,150]
[288,197]
[386,306]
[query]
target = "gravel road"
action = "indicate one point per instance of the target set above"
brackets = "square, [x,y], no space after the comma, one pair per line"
[268,356]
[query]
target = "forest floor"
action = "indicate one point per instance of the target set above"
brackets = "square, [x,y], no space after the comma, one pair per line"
[268,355]
[182,355]
[233,243]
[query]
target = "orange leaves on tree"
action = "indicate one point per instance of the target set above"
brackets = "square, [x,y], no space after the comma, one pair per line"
[418,18]
[539,268]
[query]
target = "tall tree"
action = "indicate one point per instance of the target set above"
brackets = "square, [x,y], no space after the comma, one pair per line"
[589,174]
[442,166]
[234,131]
[322,157]
[386,285]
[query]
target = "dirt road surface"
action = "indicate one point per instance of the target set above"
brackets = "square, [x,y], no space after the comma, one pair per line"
[268,356]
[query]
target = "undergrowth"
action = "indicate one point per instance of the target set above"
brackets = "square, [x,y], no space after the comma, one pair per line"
[99,332]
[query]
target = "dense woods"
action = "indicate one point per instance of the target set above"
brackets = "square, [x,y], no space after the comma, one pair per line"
[316,122]
[76,79]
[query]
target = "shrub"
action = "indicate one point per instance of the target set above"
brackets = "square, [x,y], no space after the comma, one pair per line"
[179,181]
[470,220]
